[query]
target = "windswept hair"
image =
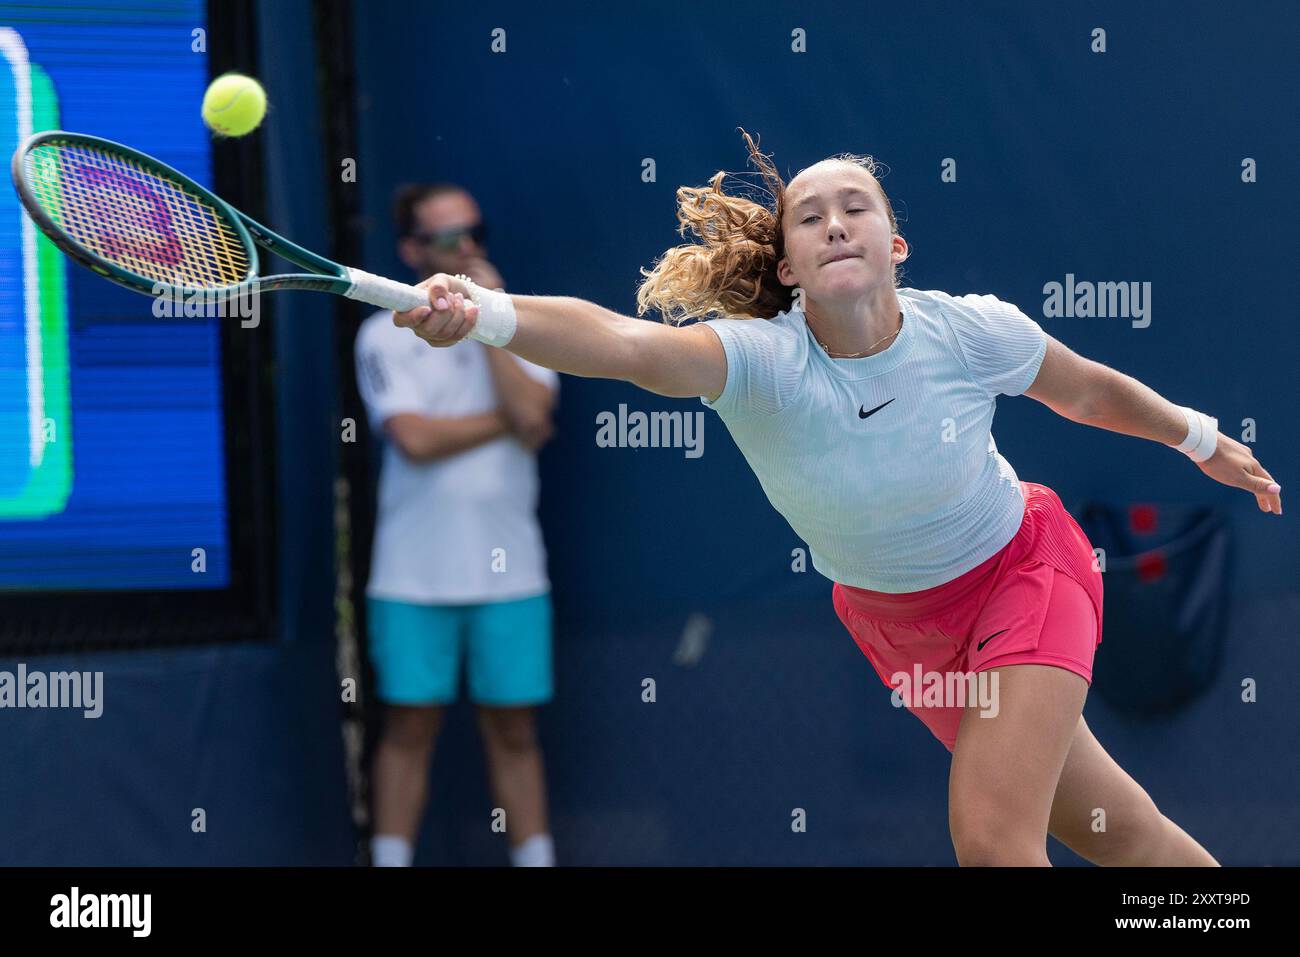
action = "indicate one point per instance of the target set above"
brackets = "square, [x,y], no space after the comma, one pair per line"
[731,270]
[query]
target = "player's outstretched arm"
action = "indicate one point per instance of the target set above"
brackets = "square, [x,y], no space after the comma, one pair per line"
[579,337]
[1092,394]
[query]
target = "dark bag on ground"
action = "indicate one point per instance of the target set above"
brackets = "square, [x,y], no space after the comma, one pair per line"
[1166,578]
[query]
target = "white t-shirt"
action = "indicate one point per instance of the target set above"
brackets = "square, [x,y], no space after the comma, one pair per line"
[462,529]
[885,465]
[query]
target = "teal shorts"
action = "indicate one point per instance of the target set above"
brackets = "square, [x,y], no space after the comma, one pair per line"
[417,651]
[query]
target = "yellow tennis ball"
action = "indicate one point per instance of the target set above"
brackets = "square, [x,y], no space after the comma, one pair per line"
[234,104]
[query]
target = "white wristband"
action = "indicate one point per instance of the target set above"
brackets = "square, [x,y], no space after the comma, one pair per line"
[496,314]
[1202,435]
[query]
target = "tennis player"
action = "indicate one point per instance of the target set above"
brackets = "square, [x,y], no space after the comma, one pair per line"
[865,409]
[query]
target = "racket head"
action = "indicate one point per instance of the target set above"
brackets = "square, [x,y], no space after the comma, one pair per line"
[131,218]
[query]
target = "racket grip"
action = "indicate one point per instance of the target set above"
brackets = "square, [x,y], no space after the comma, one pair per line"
[496,318]
[385,293]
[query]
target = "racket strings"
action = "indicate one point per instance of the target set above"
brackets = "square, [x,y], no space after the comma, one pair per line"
[134,218]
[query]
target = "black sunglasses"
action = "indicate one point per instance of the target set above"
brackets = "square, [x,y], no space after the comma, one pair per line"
[450,238]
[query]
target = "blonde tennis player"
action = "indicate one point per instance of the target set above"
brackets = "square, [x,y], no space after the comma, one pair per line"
[865,410]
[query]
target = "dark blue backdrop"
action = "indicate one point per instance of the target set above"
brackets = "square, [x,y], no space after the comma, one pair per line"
[1115,166]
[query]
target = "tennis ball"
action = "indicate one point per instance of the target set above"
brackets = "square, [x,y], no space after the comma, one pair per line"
[234,104]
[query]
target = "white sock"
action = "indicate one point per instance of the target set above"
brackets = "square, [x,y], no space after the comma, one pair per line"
[389,850]
[536,851]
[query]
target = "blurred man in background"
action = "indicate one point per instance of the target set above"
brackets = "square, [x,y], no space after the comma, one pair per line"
[459,567]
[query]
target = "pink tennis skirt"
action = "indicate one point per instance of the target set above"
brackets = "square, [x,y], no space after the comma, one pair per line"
[1037,601]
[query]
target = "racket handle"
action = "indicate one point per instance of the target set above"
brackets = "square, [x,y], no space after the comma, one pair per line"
[495,326]
[385,293]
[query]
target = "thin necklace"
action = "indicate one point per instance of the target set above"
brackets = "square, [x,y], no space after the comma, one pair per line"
[859,355]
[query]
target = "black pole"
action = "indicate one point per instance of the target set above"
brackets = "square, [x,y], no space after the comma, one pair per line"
[354,483]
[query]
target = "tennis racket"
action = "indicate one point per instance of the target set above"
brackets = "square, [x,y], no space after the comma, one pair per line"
[141,224]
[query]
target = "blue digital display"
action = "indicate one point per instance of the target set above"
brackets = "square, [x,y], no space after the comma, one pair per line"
[112,463]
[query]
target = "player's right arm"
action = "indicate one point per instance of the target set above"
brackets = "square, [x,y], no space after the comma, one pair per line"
[582,338]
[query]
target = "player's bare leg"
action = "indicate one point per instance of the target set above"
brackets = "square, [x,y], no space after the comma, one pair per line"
[1005,768]
[1104,816]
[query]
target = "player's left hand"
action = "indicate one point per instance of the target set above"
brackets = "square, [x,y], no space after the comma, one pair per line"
[1234,464]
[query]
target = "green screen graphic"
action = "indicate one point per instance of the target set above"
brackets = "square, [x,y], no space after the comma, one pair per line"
[40,444]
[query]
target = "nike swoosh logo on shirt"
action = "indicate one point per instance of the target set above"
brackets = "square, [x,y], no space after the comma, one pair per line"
[863,413]
[980,646]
